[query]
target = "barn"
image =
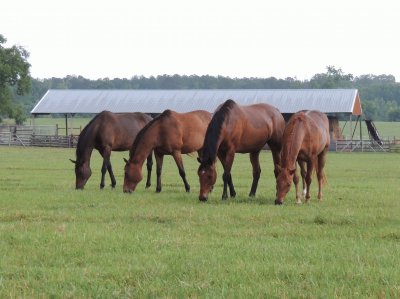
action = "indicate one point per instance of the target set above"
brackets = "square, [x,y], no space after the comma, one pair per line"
[334,102]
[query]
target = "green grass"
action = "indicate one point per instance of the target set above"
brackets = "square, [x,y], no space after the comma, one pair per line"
[386,129]
[59,242]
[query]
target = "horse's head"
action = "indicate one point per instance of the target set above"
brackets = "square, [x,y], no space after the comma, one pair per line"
[133,175]
[283,182]
[207,175]
[82,173]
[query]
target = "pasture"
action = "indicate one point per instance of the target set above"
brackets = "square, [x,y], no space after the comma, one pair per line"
[59,242]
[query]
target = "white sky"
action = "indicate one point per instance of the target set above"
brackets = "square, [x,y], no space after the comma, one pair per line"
[252,38]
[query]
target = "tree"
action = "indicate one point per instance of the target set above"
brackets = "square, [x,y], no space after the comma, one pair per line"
[14,72]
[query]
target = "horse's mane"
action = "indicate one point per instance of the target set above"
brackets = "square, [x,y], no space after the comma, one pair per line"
[143,131]
[83,139]
[290,133]
[209,151]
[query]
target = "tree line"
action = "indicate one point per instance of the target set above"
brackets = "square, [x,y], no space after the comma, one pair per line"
[380,94]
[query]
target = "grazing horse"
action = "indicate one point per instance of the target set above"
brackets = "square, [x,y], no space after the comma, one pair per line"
[170,133]
[107,132]
[239,129]
[306,140]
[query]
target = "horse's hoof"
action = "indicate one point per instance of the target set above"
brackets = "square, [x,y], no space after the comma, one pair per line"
[278,202]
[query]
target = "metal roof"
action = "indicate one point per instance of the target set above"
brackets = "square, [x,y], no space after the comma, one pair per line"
[184,100]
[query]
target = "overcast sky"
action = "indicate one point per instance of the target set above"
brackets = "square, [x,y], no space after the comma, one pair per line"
[252,38]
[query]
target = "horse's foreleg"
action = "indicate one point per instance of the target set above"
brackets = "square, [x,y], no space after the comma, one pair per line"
[308,179]
[178,160]
[276,157]
[255,162]
[228,161]
[296,185]
[303,174]
[159,163]
[103,172]
[149,165]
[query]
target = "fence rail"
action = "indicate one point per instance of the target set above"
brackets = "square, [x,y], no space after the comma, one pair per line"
[8,138]
[29,138]
[365,145]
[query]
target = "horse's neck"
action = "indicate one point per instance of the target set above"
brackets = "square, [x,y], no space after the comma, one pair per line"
[292,146]
[84,151]
[144,146]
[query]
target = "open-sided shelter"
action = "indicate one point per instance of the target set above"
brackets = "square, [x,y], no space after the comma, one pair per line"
[69,102]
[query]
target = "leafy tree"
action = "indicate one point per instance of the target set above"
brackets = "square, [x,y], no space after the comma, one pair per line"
[14,72]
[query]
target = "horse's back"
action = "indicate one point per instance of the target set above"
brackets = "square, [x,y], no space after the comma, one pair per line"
[119,130]
[321,125]
[262,122]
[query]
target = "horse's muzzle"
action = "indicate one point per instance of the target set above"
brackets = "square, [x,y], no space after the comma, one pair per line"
[203,198]
[278,202]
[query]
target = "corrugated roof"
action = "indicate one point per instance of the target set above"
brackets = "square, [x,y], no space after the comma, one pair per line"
[184,100]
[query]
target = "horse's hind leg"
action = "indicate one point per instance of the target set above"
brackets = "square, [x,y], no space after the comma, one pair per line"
[149,165]
[321,173]
[111,173]
[178,160]
[159,164]
[255,162]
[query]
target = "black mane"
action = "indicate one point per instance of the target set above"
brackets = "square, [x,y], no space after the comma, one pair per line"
[209,151]
[142,132]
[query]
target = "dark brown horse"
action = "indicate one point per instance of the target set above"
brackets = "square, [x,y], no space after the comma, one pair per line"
[170,133]
[238,129]
[306,140]
[107,132]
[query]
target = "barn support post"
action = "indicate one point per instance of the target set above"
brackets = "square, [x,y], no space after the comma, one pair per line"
[361,138]
[351,130]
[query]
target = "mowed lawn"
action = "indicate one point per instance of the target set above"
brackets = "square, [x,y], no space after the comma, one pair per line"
[59,242]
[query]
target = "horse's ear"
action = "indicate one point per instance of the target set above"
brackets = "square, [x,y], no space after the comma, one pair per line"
[126,161]
[72,161]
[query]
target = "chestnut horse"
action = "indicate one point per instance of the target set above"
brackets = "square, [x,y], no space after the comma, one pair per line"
[306,140]
[239,129]
[107,132]
[170,133]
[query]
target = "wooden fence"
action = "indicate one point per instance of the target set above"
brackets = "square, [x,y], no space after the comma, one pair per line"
[37,140]
[366,145]
[47,136]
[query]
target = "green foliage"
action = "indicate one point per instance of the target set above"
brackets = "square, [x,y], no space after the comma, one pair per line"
[59,242]
[14,72]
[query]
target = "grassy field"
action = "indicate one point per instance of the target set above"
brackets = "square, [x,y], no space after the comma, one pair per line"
[59,242]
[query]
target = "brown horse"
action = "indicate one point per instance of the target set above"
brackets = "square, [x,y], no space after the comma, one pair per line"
[238,129]
[107,132]
[170,133]
[306,140]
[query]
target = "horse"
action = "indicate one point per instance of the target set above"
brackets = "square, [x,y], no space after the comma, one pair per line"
[238,129]
[306,140]
[170,133]
[108,132]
